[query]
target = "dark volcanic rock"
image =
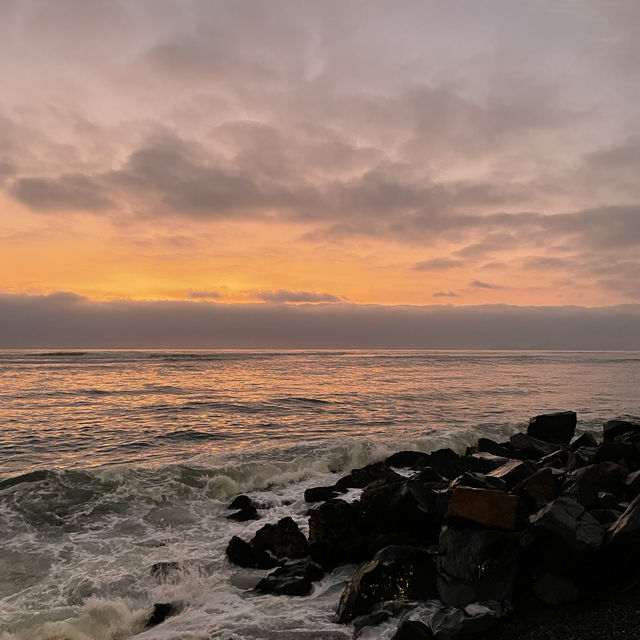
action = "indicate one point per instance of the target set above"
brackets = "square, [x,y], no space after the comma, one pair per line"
[567,519]
[476,565]
[245,555]
[166,571]
[513,471]
[477,480]
[585,440]
[360,478]
[553,427]
[615,428]
[408,459]
[452,623]
[447,463]
[586,483]
[396,572]
[497,449]
[556,459]
[246,513]
[284,539]
[485,462]
[162,611]
[531,448]
[294,579]
[320,494]
[413,630]
[582,457]
[541,486]
[335,534]
[241,502]
[484,507]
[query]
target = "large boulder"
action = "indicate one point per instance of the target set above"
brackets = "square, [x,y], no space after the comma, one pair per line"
[485,462]
[246,555]
[320,494]
[360,478]
[396,572]
[293,579]
[484,507]
[586,483]
[476,565]
[554,427]
[614,428]
[284,539]
[568,520]
[528,447]
[335,534]
[408,459]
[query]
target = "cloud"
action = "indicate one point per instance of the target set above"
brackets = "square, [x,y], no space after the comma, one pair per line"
[204,295]
[438,264]
[478,284]
[282,295]
[446,294]
[68,321]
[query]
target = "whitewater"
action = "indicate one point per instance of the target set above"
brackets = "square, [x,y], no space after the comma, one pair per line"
[111,461]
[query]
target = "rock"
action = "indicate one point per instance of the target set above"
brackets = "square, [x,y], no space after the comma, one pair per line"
[162,611]
[606,517]
[360,478]
[396,572]
[554,427]
[335,534]
[246,513]
[586,483]
[320,494]
[504,450]
[555,590]
[556,459]
[513,471]
[614,428]
[478,481]
[485,507]
[582,457]
[623,448]
[622,544]
[632,484]
[413,630]
[284,539]
[166,572]
[430,477]
[407,460]
[585,440]
[476,565]
[245,555]
[485,462]
[447,463]
[530,448]
[567,519]
[540,486]
[381,613]
[293,579]
[241,502]
[453,622]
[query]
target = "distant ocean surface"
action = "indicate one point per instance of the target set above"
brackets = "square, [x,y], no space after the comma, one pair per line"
[132,456]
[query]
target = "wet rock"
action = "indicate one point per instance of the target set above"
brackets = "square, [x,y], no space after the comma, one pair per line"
[284,539]
[447,463]
[413,630]
[476,565]
[632,484]
[530,448]
[582,457]
[555,589]
[478,481]
[245,555]
[567,519]
[556,459]
[540,486]
[381,613]
[162,611]
[614,428]
[623,448]
[485,462]
[585,440]
[553,427]
[431,478]
[407,459]
[293,579]
[335,534]
[166,571]
[241,502]
[320,494]
[513,471]
[453,622]
[622,544]
[586,483]
[396,572]
[360,478]
[497,449]
[484,507]
[245,514]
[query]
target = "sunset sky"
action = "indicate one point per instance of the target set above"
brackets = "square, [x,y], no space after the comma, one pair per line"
[338,153]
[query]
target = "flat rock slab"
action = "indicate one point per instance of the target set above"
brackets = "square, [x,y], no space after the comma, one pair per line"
[484,506]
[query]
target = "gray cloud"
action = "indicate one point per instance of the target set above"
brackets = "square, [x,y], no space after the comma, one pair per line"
[446,294]
[282,295]
[438,264]
[68,321]
[204,295]
[478,284]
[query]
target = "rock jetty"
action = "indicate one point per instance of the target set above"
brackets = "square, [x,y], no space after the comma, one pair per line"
[453,546]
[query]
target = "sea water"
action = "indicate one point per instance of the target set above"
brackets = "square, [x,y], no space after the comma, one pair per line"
[111,461]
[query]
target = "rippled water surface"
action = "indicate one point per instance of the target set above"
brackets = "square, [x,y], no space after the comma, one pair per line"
[131,458]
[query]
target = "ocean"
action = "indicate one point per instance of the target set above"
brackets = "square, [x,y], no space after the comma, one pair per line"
[111,461]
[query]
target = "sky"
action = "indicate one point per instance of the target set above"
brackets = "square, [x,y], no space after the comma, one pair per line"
[307,159]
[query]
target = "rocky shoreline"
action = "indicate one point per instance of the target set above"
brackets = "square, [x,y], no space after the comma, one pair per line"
[492,543]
